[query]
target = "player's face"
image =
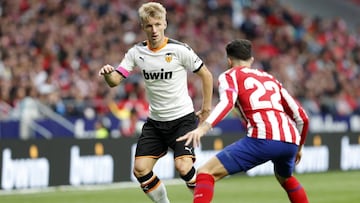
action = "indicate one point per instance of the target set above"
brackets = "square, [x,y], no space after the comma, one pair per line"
[154,29]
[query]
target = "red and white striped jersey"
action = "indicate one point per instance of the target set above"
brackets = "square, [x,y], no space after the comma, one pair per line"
[269,110]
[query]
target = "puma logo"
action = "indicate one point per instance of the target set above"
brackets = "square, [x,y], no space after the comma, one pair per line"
[188,149]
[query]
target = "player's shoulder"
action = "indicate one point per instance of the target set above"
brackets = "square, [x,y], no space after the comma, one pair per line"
[257,72]
[137,47]
[177,43]
[141,44]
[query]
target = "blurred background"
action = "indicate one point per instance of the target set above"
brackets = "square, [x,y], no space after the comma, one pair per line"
[51,52]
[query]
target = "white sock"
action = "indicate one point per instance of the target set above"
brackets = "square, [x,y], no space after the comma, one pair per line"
[159,194]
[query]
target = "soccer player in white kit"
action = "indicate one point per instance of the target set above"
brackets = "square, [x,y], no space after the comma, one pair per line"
[277,126]
[164,64]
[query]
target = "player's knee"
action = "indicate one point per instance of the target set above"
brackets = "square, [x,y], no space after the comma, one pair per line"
[203,170]
[183,165]
[281,179]
[190,177]
[140,170]
[143,166]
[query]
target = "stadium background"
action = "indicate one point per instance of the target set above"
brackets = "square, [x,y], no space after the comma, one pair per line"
[52,101]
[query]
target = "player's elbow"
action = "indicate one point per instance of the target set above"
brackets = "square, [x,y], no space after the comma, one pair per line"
[113,80]
[208,75]
[112,84]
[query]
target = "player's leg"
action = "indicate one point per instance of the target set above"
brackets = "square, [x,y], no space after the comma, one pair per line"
[187,172]
[237,157]
[232,159]
[149,148]
[296,193]
[210,172]
[184,155]
[283,168]
[149,182]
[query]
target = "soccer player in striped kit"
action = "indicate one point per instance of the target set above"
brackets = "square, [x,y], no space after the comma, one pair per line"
[276,126]
[164,64]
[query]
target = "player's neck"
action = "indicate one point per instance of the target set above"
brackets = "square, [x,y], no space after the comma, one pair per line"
[242,65]
[156,45]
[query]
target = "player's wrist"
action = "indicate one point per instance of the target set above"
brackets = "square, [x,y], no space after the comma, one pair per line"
[205,126]
[206,110]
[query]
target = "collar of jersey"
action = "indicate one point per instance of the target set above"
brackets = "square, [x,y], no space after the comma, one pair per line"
[161,46]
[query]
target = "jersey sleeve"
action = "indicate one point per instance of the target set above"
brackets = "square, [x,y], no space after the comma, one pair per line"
[294,109]
[127,63]
[228,92]
[190,59]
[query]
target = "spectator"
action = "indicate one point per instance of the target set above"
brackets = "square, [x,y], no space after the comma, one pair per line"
[101,132]
[39,45]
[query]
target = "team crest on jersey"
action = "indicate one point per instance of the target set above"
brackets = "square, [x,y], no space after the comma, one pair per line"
[168,57]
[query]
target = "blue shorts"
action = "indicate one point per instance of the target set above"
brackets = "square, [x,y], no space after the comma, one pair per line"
[248,152]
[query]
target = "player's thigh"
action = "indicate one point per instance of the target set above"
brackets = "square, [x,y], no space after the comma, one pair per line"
[179,128]
[214,167]
[150,142]
[284,164]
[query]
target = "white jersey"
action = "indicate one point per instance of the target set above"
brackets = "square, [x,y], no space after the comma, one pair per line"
[164,72]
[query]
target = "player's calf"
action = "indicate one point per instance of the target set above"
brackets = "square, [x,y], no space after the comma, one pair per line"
[295,191]
[153,188]
[204,190]
[190,179]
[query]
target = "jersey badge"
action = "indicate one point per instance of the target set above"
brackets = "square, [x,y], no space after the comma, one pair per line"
[168,57]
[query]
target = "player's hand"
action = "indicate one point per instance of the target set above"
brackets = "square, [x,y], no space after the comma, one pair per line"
[107,69]
[298,155]
[202,115]
[194,136]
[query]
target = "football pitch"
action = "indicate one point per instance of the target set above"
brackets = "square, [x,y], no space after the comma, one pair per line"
[331,187]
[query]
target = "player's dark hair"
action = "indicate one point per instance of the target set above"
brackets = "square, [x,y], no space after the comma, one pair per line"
[239,49]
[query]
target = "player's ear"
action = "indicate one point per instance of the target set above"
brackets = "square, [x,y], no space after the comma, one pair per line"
[142,25]
[252,60]
[229,61]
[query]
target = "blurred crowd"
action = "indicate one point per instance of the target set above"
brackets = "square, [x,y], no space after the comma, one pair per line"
[51,52]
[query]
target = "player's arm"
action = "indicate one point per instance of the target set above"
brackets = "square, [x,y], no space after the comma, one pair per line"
[207,91]
[294,109]
[227,99]
[112,77]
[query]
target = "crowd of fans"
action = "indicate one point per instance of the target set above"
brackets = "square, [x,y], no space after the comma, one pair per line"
[51,51]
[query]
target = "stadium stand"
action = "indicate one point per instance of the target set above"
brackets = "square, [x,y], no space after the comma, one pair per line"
[51,51]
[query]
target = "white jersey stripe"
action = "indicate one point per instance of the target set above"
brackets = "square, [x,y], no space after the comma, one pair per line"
[274,125]
[294,108]
[286,128]
[260,125]
[297,134]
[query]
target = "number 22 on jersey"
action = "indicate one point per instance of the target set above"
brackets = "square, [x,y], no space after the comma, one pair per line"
[268,89]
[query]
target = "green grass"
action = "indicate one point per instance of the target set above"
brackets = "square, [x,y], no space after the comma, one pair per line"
[331,187]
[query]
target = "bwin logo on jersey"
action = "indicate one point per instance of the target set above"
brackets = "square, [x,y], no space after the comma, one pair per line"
[168,57]
[157,75]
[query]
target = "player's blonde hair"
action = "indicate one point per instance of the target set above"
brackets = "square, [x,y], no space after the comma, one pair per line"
[152,10]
